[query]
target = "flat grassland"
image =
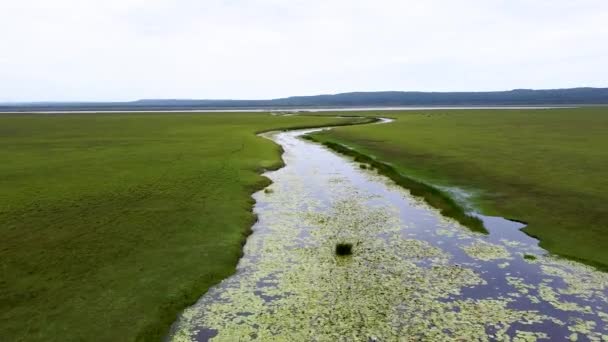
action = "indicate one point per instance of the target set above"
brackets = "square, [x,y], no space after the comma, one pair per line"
[112,223]
[547,167]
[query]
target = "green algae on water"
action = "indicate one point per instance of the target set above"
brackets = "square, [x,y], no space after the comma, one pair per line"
[486,251]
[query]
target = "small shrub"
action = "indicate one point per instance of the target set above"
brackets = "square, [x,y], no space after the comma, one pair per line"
[344,248]
[268,191]
[529,257]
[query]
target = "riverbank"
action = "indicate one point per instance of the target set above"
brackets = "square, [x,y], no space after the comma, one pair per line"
[113,223]
[431,195]
[411,272]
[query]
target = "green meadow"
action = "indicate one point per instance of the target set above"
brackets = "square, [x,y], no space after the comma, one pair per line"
[546,167]
[112,224]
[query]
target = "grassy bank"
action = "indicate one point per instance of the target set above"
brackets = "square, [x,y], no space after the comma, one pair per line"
[544,167]
[433,196]
[112,223]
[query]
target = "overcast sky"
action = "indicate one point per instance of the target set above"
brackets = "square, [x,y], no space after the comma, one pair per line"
[131,49]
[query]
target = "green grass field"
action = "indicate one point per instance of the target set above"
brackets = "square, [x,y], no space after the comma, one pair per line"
[548,168]
[112,223]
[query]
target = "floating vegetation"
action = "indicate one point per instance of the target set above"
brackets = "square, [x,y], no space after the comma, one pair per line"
[529,336]
[486,251]
[511,243]
[529,257]
[445,232]
[549,295]
[290,286]
[519,284]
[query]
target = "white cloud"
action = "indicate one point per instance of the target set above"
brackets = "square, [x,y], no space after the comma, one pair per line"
[129,49]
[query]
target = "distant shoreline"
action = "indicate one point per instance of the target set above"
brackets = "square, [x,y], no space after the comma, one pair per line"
[354,101]
[29,110]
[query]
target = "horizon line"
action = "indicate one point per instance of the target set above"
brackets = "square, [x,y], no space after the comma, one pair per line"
[286,97]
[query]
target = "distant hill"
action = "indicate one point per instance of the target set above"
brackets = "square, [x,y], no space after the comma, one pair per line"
[517,97]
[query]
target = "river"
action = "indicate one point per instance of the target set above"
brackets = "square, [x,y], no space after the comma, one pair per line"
[413,274]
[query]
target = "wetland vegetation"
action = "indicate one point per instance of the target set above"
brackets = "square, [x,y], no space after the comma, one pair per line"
[415,274]
[113,223]
[545,167]
[432,195]
[344,248]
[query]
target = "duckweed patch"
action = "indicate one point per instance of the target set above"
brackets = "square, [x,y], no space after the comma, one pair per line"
[486,251]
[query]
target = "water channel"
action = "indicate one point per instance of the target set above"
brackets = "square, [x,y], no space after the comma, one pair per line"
[413,275]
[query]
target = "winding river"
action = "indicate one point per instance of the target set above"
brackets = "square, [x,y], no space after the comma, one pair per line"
[413,275]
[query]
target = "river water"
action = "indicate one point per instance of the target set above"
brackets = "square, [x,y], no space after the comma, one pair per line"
[413,275]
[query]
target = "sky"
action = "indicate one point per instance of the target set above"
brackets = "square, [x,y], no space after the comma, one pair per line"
[120,50]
